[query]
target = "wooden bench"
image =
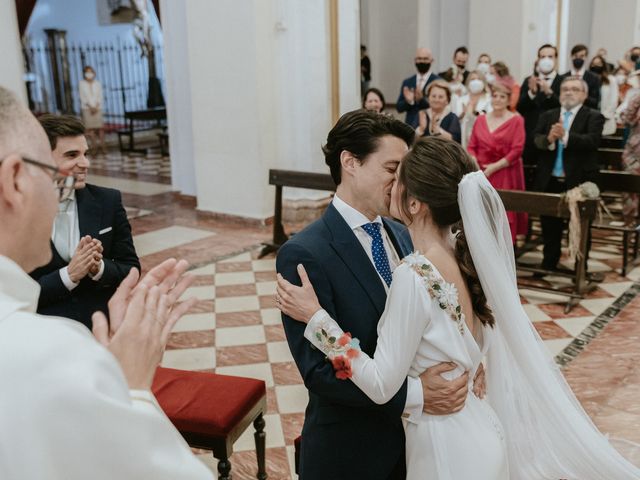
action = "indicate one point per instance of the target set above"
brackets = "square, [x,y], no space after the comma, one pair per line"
[211,411]
[296,179]
[126,135]
[619,182]
[610,158]
[553,205]
[611,141]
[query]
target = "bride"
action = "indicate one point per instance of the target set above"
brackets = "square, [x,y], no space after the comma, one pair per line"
[455,299]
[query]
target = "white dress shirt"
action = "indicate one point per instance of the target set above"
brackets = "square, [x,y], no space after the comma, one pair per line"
[414,402]
[67,400]
[66,240]
[421,81]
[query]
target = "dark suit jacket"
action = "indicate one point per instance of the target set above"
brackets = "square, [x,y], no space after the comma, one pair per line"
[580,157]
[451,124]
[531,109]
[344,431]
[593,81]
[412,110]
[98,208]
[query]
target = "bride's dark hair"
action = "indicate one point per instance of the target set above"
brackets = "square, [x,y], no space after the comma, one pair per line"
[430,173]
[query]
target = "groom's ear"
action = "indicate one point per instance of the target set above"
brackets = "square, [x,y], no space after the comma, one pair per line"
[348,162]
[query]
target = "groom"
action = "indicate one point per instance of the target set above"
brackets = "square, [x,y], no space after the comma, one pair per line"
[346,435]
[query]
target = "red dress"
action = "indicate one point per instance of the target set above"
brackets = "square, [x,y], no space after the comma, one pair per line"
[506,141]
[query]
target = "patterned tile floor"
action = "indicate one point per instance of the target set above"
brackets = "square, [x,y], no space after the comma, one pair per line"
[236,329]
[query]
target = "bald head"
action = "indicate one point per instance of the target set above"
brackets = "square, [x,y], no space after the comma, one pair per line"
[20,132]
[423,60]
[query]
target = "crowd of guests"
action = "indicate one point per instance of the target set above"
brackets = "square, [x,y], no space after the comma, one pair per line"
[542,134]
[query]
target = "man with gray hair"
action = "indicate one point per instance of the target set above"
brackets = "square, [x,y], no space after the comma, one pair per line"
[74,406]
[567,139]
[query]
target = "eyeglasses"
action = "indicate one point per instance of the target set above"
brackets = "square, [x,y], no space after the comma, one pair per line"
[62,182]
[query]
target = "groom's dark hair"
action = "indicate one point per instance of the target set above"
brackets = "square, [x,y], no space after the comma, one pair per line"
[358,132]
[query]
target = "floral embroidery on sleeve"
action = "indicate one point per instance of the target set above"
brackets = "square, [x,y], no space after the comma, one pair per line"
[340,351]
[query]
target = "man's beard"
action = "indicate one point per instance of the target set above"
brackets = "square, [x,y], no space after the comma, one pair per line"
[570,105]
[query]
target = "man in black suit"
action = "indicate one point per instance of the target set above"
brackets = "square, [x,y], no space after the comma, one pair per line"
[567,139]
[91,241]
[579,54]
[459,67]
[412,96]
[539,93]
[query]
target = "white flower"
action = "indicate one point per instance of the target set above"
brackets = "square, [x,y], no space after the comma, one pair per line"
[590,190]
[448,294]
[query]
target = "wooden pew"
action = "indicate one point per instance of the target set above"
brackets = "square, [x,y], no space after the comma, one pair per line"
[610,158]
[553,205]
[619,182]
[295,179]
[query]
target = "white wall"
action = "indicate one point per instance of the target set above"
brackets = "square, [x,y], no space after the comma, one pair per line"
[614,27]
[349,54]
[11,54]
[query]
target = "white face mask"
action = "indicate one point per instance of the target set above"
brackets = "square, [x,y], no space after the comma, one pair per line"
[483,68]
[545,65]
[490,77]
[89,75]
[621,79]
[476,85]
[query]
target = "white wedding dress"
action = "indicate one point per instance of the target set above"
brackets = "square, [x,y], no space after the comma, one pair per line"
[530,426]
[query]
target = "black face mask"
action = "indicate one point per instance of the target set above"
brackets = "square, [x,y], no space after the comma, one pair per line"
[597,69]
[423,67]
[461,67]
[635,57]
[578,63]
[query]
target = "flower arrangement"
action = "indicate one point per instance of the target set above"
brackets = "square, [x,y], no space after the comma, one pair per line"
[340,351]
[584,191]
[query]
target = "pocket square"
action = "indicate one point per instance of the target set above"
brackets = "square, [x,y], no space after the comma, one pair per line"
[105,230]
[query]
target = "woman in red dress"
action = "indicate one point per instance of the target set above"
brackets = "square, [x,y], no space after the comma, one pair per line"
[497,140]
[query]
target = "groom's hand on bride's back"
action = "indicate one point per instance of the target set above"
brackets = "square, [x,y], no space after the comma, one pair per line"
[442,397]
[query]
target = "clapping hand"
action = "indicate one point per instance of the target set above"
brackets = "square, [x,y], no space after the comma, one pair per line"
[86,259]
[546,89]
[409,94]
[299,303]
[556,132]
[142,315]
[533,84]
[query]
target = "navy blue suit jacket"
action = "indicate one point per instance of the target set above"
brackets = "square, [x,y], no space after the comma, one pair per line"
[344,431]
[449,123]
[412,110]
[98,208]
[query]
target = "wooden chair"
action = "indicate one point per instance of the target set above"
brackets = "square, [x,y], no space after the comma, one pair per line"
[211,411]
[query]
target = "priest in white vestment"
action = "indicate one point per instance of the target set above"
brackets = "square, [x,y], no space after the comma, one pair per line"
[72,407]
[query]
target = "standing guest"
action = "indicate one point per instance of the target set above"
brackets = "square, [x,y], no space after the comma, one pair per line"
[602,52]
[91,240]
[630,116]
[373,100]
[91,105]
[83,404]
[412,92]
[608,94]
[620,75]
[497,142]
[539,93]
[501,73]
[365,69]
[476,102]
[567,139]
[484,63]
[457,74]
[579,54]
[438,119]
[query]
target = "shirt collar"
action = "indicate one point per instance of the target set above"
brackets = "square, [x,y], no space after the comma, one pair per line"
[353,217]
[551,75]
[573,111]
[423,75]
[578,73]
[18,291]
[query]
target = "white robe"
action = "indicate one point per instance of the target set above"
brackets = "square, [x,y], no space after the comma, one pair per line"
[66,411]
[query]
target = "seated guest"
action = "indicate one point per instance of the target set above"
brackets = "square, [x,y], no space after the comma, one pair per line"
[91,240]
[75,407]
[438,119]
[608,94]
[477,101]
[567,139]
[412,92]
[497,142]
[579,54]
[373,100]
[501,72]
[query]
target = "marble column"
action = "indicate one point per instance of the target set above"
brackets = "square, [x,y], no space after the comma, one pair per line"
[12,71]
[248,90]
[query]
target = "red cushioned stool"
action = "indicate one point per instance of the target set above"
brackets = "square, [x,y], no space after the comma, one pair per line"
[211,411]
